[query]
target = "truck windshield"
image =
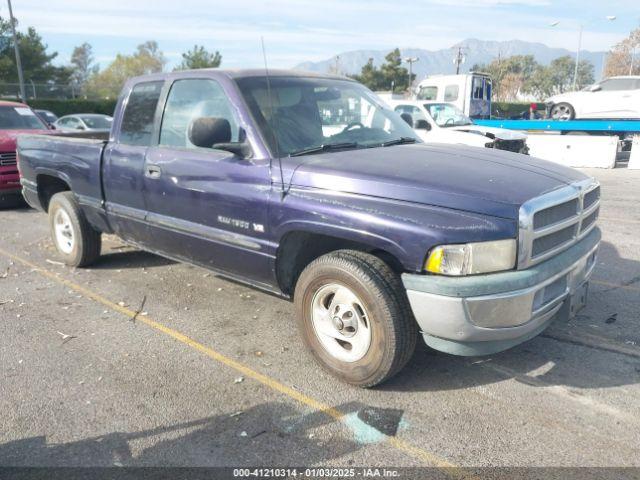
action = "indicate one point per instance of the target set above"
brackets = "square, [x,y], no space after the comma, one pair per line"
[308,115]
[19,118]
[447,115]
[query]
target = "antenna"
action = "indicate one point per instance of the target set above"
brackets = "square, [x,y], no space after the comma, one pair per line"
[274,119]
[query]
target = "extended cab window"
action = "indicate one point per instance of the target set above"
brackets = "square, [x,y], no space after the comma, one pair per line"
[428,93]
[190,99]
[137,122]
[451,93]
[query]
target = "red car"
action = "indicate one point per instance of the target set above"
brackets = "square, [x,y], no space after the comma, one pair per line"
[15,118]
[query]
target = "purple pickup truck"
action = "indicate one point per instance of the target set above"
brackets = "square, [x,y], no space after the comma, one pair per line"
[309,187]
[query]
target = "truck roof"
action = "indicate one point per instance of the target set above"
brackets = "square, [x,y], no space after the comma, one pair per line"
[241,73]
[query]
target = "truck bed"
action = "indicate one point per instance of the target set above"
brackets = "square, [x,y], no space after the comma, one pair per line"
[73,158]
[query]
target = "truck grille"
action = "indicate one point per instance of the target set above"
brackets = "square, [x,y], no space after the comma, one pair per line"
[553,222]
[7,159]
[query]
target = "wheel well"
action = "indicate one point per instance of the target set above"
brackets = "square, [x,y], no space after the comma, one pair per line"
[299,249]
[48,186]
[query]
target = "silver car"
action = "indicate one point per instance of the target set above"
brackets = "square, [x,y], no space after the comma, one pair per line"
[90,122]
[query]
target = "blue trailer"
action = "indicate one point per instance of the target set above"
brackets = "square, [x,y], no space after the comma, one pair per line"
[611,127]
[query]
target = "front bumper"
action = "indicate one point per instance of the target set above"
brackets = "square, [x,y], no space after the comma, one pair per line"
[484,314]
[9,185]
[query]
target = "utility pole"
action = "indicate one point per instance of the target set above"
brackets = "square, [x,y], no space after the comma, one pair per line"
[12,20]
[411,61]
[575,72]
[337,64]
[459,59]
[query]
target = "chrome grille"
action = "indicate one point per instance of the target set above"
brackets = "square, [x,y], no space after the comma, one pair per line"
[556,214]
[553,240]
[591,197]
[553,222]
[7,159]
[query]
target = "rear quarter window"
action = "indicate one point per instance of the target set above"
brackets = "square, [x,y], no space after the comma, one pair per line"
[137,122]
[428,93]
[451,93]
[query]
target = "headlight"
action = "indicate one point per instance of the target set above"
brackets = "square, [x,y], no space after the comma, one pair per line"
[472,258]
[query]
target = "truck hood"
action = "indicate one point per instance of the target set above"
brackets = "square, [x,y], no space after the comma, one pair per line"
[491,132]
[8,138]
[478,180]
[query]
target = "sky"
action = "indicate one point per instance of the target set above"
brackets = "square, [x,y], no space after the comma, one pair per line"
[301,30]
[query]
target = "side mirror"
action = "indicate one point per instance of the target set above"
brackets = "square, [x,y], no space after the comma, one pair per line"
[81,127]
[407,118]
[213,132]
[422,125]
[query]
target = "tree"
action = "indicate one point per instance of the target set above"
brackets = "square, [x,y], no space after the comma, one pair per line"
[390,76]
[510,76]
[36,61]
[521,75]
[558,77]
[199,57]
[396,77]
[370,76]
[107,84]
[82,64]
[622,59]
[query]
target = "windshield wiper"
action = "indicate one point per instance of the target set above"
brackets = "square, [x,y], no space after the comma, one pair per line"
[398,141]
[324,148]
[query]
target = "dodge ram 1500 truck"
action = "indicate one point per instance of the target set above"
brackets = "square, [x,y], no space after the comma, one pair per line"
[309,187]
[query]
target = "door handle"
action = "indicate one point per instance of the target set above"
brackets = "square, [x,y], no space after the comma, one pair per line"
[153,171]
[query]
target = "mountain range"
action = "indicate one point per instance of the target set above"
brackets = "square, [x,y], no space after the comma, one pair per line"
[441,61]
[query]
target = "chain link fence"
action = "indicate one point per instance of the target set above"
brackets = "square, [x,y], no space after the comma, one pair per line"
[39,90]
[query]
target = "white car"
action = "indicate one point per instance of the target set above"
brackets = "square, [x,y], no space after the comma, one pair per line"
[89,122]
[615,97]
[439,122]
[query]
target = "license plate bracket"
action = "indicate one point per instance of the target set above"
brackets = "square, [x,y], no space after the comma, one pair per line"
[578,300]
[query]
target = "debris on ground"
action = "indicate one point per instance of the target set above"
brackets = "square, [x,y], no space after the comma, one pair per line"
[239,380]
[53,262]
[139,310]
[611,318]
[243,434]
[235,414]
[258,353]
[66,337]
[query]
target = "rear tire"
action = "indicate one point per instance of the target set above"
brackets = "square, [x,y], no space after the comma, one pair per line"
[563,111]
[354,316]
[74,238]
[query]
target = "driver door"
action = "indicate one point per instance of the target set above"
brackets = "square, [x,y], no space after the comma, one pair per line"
[206,206]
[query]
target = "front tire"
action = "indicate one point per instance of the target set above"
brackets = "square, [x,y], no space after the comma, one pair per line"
[74,238]
[563,111]
[354,317]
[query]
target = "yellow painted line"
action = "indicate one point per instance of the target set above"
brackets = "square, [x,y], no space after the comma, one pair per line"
[450,469]
[615,285]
